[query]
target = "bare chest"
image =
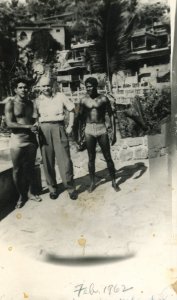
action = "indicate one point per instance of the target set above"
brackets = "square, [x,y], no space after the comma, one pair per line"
[94,103]
[23,110]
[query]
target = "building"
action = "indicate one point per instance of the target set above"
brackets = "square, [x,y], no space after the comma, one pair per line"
[148,64]
[24,34]
[72,65]
[150,55]
[67,18]
[70,78]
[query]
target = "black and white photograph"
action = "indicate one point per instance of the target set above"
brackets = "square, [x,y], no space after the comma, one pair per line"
[88,150]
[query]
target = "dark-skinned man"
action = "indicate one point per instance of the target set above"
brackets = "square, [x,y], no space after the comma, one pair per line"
[92,110]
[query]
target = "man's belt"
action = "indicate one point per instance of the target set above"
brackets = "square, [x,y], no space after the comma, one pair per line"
[102,122]
[53,122]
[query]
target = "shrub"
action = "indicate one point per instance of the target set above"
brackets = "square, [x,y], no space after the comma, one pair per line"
[154,106]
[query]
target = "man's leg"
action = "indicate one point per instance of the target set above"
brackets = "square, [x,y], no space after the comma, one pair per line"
[48,157]
[103,141]
[20,180]
[63,157]
[91,149]
[29,169]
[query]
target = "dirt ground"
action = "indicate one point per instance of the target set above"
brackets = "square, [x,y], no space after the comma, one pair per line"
[105,238]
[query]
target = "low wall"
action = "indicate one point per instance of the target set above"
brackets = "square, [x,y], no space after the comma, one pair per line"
[142,147]
[8,193]
[125,148]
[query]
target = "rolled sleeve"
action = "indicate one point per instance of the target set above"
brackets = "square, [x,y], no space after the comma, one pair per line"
[68,104]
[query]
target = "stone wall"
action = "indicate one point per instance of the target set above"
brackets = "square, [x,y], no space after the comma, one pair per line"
[130,149]
[142,147]
[124,149]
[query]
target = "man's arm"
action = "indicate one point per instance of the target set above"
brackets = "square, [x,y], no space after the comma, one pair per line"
[112,120]
[9,115]
[69,105]
[71,122]
[35,117]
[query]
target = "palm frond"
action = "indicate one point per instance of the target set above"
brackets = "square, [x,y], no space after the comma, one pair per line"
[112,37]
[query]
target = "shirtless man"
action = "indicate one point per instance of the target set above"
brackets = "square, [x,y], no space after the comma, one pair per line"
[93,109]
[23,143]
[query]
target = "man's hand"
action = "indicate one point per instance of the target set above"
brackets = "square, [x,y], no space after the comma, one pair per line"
[113,138]
[34,128]
[69,129]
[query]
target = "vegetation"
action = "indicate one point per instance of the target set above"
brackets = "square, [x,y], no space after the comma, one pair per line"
[111,40]
[155,106]
[43,45]
[108,22]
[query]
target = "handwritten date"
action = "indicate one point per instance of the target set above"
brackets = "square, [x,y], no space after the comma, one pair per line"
[91,289]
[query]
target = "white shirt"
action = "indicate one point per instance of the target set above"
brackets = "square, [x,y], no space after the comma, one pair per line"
[52,108]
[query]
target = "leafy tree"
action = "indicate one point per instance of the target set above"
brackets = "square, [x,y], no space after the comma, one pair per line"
[78,30]
[44,45]
[8,59]
[46,8]
[150,13]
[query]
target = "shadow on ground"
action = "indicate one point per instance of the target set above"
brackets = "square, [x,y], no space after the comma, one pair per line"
[7,210]
[102,176]
[122,175]
[127,172]
[85,260]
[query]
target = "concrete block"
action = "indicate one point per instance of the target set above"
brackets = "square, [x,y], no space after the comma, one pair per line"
[163,151]
[144,153]
[124,146]
[157,141]
[154,152]
[136,141]
[126,155]
[141,153]
[145,141]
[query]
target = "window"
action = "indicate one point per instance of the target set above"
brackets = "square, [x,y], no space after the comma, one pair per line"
[23,36]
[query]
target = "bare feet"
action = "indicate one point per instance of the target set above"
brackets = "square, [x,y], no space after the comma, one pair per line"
[91,187]
[115,186]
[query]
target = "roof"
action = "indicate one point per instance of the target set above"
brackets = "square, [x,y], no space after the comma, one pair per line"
[51,23]
[59,16]
[139,32]
[40,27]
[134,56]
[82,45]
[155,31]
[71,69]
[32,27]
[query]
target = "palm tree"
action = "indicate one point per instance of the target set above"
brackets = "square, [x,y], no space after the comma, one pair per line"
[111,37]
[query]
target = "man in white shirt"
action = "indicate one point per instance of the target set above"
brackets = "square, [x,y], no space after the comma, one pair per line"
[53,137]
